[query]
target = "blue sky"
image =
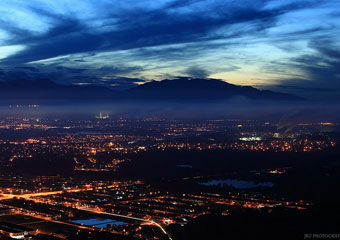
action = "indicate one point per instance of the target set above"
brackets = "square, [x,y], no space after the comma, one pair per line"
[289,46]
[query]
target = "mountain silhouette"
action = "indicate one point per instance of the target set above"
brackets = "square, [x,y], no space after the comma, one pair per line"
[47,89]
[177,89]
[195,89]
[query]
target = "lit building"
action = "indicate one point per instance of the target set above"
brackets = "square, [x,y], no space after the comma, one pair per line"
[15,231]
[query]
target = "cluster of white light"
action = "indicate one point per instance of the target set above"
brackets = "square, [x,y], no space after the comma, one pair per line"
[250,139]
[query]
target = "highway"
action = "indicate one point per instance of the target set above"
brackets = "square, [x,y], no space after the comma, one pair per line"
[129,217]
[5,196]
[30,195]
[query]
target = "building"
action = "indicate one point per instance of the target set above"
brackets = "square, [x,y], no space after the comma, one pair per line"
[15,231]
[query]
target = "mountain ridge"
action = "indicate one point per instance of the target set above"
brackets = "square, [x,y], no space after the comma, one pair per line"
[176,89]
[202,89]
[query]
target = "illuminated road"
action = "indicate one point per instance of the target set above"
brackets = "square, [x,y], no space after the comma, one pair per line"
[133,218]
[9,196]
[19,212]
[31,195]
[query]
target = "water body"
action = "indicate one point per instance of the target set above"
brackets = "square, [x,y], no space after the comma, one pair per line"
[99,222]
[239,184]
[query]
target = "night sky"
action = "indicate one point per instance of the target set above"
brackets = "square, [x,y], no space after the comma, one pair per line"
[283,45]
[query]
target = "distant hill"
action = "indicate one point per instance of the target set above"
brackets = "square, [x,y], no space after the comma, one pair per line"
[196,89]
[178,89]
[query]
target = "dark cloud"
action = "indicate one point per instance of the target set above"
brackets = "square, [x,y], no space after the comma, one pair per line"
[196,72]
[105,76]
[326,48]
[320,72]
[179,34]
[121,83]
[16,75]
[143,28]
[71,70]
[32,69]
[118,69]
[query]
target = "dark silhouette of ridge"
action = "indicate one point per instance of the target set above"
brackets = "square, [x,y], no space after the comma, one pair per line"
[178,89]
[47,89]
[201,89]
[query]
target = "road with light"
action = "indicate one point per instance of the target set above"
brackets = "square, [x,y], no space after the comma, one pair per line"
[129,217]
[28,196]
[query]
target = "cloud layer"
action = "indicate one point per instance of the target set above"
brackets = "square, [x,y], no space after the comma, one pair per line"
[287,44]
